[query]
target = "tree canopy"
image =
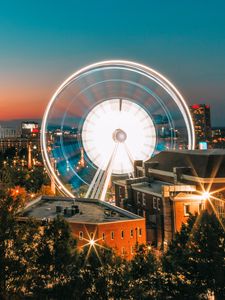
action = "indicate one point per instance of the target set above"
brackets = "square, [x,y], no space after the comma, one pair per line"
[42,262]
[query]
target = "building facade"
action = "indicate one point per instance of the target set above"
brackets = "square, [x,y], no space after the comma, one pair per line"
[170,186]
[101,222]
[8,132]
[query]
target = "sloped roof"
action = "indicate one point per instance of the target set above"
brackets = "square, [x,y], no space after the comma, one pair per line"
[204,163]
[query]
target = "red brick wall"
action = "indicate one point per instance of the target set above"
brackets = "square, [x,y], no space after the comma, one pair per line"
[121,246]
[179,216]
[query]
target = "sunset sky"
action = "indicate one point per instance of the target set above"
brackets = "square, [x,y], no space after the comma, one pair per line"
[43,42]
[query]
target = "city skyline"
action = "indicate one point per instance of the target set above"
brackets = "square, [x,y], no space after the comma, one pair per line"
[42,45]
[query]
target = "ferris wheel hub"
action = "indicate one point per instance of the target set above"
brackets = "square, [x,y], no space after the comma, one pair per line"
[119,136]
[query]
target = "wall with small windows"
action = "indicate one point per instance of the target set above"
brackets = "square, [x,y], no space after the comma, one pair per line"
[150,207]
[121,236]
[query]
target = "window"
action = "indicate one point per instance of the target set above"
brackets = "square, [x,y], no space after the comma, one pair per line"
[154,202]
[201,207]
[131,233]
[158,203]
[138,198]
[122,250]
[122,234]
[132,250]
[186,209]
[91,235]
[112,235]
[140,232]
[103,236]
[143,199]
[139,212]
[81,235]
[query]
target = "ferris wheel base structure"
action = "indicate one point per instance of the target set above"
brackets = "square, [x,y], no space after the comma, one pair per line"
[106,116]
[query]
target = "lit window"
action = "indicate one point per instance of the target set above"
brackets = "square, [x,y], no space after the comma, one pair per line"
[154,202]
[81,235]
[103,236]
[131,233]
[112,235]
[186,209]
[122,234]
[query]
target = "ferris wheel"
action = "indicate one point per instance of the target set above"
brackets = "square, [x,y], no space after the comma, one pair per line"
[106,116]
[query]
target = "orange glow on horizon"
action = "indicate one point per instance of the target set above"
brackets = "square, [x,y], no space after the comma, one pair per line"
[25,100]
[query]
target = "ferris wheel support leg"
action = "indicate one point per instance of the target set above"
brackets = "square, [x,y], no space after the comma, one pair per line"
[108,173]
[93,183]
[106,184]
[96,185]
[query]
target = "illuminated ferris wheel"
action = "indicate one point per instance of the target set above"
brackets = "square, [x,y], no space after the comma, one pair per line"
[106,116]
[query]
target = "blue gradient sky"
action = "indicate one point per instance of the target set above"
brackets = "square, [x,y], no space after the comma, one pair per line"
[42,42]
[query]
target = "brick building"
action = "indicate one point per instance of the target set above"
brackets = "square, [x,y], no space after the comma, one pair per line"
[94,220]
[170,186]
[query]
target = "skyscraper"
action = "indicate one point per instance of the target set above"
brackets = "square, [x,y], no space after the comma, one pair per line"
[202,122]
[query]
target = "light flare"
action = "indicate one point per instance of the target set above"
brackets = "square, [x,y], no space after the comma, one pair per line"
[91,242]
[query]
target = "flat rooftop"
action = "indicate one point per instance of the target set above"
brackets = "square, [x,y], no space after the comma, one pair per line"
[154,187]
[90,211]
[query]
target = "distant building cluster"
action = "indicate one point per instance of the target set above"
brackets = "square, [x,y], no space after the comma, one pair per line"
[8,132]
[25,142]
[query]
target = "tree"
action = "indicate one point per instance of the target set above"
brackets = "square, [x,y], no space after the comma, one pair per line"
[16,248]
[97,274]
[56,252]
[143,274]
[196,258]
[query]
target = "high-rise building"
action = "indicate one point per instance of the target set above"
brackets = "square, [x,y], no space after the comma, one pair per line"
[202,122]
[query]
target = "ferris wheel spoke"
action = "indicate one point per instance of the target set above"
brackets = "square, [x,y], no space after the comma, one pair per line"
[120,104]
[130,156]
